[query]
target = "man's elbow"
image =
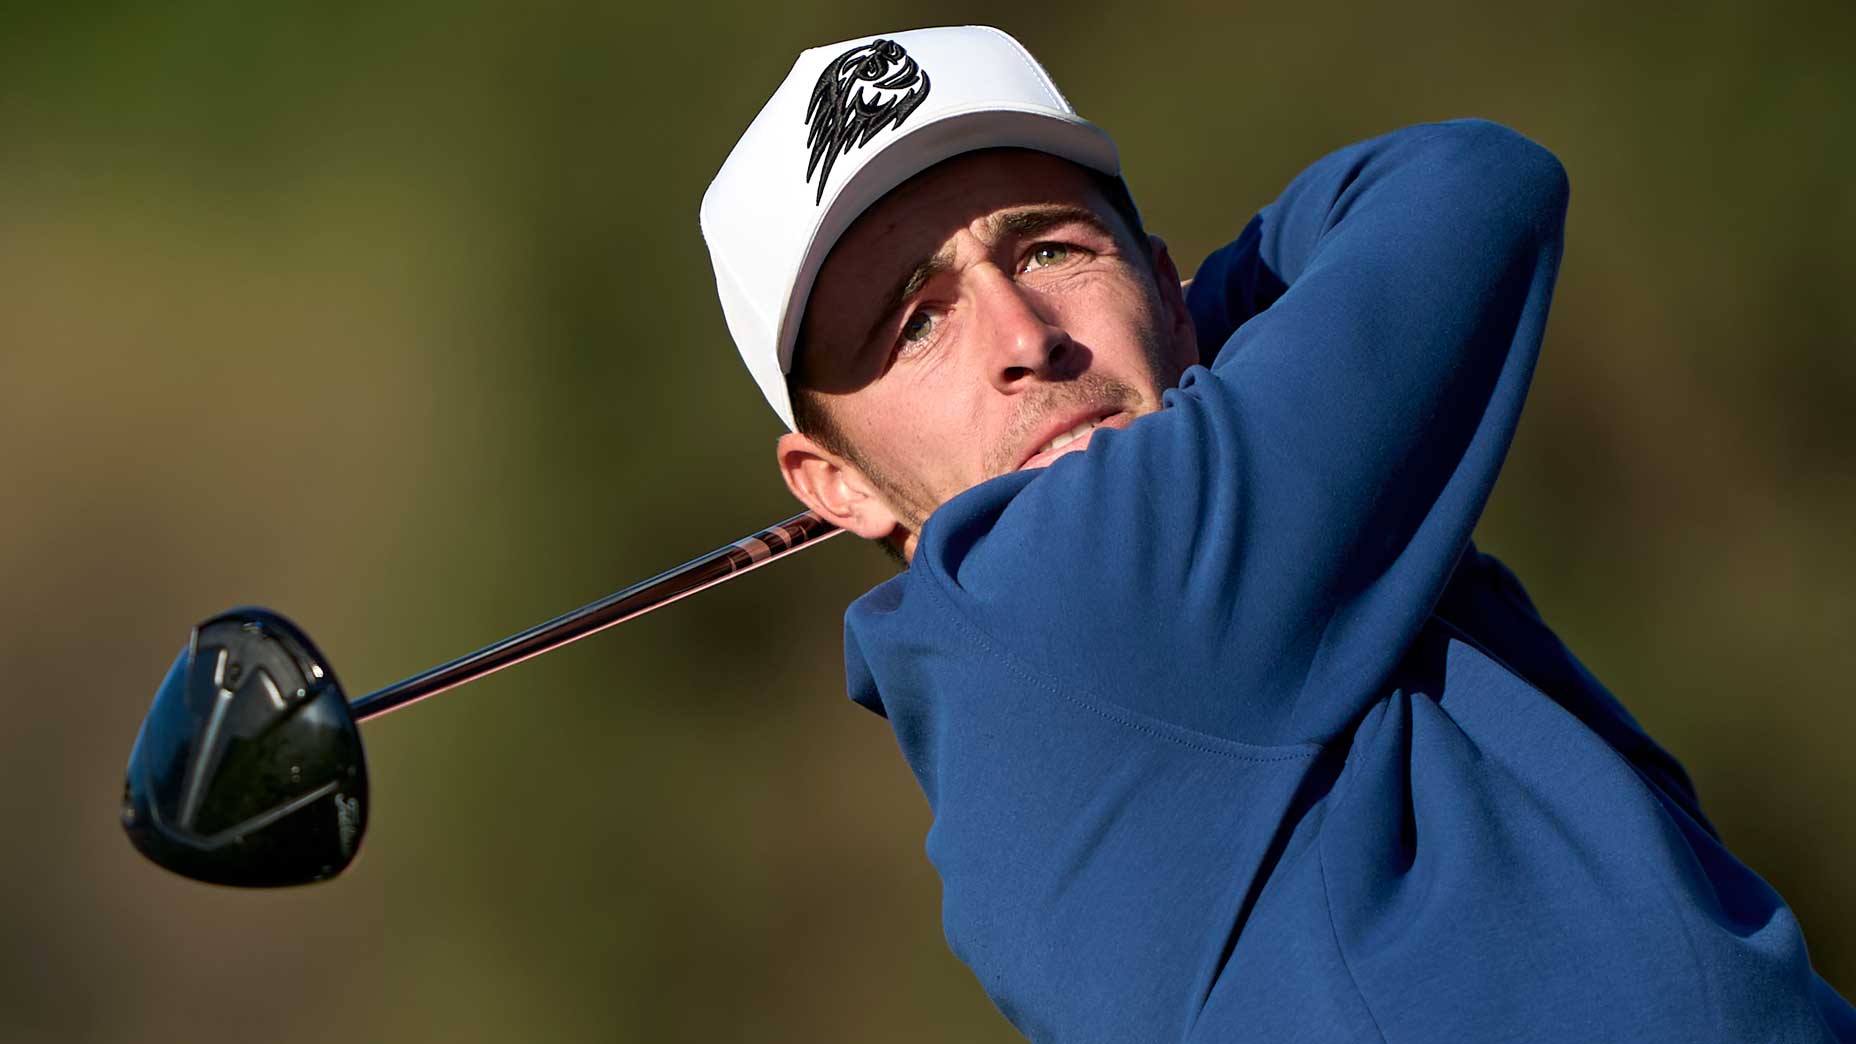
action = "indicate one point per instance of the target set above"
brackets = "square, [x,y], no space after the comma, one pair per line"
[1509,177]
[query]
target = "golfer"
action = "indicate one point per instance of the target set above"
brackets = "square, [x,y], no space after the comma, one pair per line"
[1229,732]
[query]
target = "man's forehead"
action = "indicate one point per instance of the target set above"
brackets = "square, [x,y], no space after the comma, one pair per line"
[962,193]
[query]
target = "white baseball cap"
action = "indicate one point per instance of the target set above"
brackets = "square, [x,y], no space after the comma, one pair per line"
[852,121]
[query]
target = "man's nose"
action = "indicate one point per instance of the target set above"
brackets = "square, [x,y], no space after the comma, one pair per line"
[1026,341]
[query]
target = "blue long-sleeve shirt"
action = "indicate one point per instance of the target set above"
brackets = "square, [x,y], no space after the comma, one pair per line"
[1230,734]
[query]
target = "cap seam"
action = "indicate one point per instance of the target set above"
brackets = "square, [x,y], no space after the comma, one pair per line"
[1024,58]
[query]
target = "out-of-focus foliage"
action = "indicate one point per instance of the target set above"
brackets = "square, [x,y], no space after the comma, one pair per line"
[395,317]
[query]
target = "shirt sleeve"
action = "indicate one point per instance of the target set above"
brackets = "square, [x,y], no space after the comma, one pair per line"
[1252,561]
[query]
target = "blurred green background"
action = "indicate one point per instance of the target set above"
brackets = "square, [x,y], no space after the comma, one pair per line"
[395,316]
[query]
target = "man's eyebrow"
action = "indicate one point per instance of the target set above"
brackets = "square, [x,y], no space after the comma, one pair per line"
[1028,222]
[1022,223]
[908,286]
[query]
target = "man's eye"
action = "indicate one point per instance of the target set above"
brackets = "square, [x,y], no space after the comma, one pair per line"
[1045,255]
[918,326]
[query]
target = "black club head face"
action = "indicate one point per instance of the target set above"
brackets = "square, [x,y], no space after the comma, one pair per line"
[248,768]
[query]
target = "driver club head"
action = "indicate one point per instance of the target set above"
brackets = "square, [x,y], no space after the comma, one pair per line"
[248,768]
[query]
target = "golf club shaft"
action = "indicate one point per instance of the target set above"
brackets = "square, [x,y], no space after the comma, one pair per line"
[776,541]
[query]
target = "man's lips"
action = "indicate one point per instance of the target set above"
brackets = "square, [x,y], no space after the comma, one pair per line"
[1071,433]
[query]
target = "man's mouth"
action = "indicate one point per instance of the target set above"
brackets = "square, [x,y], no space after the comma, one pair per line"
[1074,438]
[1067,437]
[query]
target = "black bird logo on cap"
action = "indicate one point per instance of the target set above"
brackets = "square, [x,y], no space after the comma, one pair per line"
[861,91]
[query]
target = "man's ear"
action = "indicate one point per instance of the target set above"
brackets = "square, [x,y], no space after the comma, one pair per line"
[1173,297]
[834,488]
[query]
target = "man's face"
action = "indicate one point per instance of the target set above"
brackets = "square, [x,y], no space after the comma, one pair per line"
[984,317]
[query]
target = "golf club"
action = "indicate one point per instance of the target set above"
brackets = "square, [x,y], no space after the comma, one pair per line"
[248,768]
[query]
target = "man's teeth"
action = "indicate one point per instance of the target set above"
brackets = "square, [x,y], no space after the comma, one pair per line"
[1068,437]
